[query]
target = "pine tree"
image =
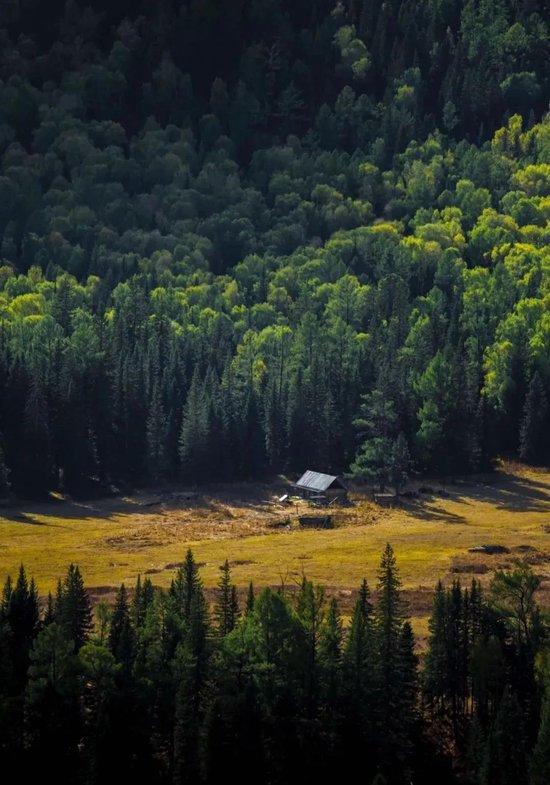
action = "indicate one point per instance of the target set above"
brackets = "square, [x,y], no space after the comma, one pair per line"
[330,653]
[378,425]
[400,463]
[359,646]
[534,441]
[435,671]
[194,433]
[394,748]
[51,705]
[143,597]
[227,611]
[73,608]
[20,609]
[34,473]
[250,597]
[121,633]
[157,434]
[186,586]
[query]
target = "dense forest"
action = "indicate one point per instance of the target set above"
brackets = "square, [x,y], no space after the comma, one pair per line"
[163,689]
[239,238]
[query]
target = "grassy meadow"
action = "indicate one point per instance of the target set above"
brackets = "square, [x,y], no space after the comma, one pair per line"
[114,540]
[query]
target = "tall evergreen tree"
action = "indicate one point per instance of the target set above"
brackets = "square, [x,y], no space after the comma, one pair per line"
[73,608]
[121,632]
[157,436]
[535,423]
[195,432]
[227,610]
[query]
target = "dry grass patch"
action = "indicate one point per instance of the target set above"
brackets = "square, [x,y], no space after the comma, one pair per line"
[116,539]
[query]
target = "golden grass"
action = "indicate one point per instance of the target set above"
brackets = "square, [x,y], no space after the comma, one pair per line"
[115,540]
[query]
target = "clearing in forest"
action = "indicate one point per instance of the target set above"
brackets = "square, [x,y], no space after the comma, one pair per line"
[468,529]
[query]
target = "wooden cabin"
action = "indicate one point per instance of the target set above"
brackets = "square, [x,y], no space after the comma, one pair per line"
[315,484]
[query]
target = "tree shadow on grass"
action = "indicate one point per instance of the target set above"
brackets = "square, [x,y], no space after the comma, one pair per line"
[426,510]
[508,492]
[504,491]
[21,517]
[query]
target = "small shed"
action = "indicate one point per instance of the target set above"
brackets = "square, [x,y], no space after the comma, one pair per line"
[315,483]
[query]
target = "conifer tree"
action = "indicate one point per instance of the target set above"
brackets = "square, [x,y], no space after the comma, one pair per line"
[20,609]
[121,633]
[186,586]
[534,441]
[35,469]
[194,433]
[73,608]
[435,671]
[227,611]
[51,704]
[157,434]
[330,653]
[394,747]
[143,597]
[400,463]
[250,597]
[358,652]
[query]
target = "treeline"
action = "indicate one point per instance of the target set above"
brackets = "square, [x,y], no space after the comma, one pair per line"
[163,688]
[336,257]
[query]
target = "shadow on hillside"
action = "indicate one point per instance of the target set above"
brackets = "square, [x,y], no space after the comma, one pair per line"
[504,491]
[508,492]
[209,499]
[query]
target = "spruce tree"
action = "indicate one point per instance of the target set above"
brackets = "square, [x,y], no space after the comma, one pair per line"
[186,586]
[435,670]
[194,433]
[534,441]
[121,633]
[400,463]
[330,653]
[51,705]
[250,597]
[34,473]
[73,608]
[157,433]
[20,609]
[394,747]
[358,662]
[226,611]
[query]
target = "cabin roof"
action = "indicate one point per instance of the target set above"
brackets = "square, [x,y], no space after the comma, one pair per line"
[317,481]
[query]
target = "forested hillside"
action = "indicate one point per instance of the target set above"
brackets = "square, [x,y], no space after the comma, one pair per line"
[242,237]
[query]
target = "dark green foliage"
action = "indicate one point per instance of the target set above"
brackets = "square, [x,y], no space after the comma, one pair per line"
[235,232]
[540,760]
[534,439]
[121,633]
[4,474]
[227,608]
[285,694]
[505,761]
[73,611]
